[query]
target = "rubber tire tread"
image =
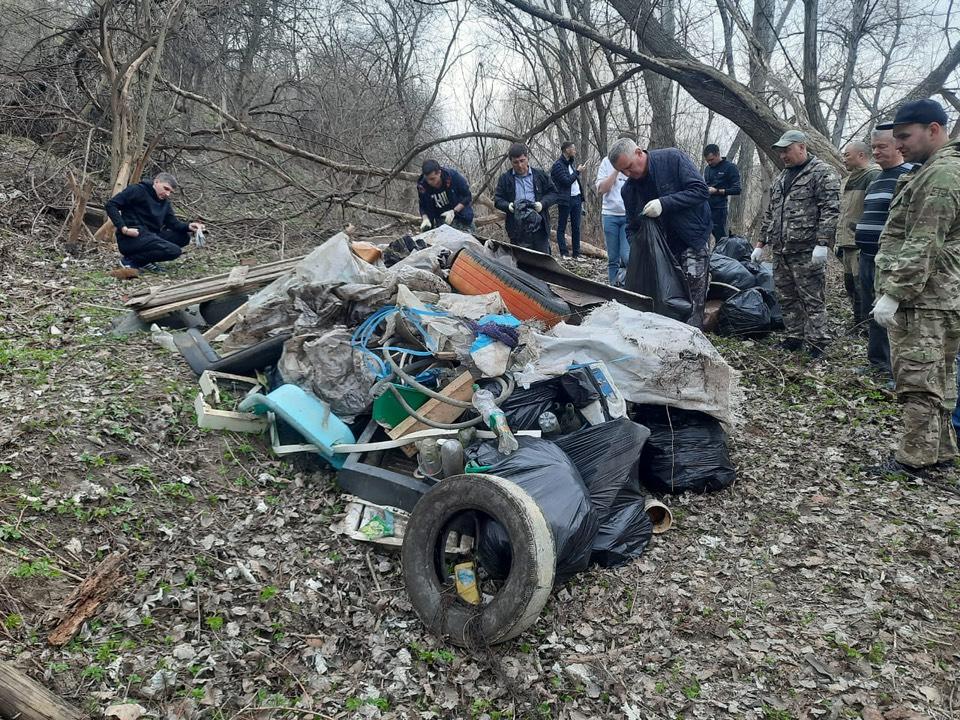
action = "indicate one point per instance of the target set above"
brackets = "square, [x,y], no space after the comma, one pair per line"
[528,585]
[525,296]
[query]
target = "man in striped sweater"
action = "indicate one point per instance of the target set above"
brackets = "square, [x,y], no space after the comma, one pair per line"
[876,207]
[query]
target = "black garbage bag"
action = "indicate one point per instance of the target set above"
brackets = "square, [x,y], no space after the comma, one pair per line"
[686,451]
[730,272]
[653,271]
[542,469]
[605,455]
[527,217]
[762,275]
[524,406]
[738,248]
[746,314]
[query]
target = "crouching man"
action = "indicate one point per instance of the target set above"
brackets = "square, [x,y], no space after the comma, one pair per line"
[148,231]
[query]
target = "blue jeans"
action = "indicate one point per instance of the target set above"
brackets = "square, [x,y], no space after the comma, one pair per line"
[618,248]
[573,209]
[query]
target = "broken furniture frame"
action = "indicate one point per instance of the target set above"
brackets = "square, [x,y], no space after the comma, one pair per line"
[211,418]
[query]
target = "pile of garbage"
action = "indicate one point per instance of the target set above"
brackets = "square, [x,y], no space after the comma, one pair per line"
[742,301]
[436,362]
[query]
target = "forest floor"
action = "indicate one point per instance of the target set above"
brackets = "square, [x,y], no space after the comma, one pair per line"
[806,590]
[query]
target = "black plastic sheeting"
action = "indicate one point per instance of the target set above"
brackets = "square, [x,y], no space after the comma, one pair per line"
[746,314]
[653,271]
[730,272]
[585,485]
[738,248]
[686,451]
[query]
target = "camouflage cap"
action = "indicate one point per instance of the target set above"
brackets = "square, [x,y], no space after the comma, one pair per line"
[790,137]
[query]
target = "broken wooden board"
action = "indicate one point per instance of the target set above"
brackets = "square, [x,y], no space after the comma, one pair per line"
[211,418]
[226,324]
[83,603]
[460,388]
[24,699]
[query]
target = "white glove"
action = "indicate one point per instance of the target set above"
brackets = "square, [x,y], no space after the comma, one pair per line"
[425,223]
[538,206]
[510,207]
[653,209]
[820,255]
[756,254]
[448,216]
[884,310]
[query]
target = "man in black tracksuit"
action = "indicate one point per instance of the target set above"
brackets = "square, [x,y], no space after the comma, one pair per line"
[723,180]
[525,194]
[445,198]
[148,231]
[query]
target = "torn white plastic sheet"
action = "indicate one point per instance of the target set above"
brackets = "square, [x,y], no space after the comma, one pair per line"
[651,358]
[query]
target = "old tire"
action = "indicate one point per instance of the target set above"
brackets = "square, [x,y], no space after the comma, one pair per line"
[521,598]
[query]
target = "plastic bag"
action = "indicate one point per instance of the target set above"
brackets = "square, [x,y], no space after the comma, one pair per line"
[762,275]
[542,469]
[331,369]
[730,272]
[653,271]
[746,314]
[686,451]
[605,455]
[738,248]
[524,407]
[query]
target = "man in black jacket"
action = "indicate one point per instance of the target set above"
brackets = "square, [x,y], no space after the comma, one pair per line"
[525,194]
[723,180]
[566,177]
[445,198]
[148,231]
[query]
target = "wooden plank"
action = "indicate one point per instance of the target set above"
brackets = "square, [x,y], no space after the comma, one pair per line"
[24,699]
[159,311]
[86,599]
[460,388]
[228,322]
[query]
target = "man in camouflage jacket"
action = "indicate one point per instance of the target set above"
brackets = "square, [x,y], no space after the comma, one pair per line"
[799,225]
[918,286]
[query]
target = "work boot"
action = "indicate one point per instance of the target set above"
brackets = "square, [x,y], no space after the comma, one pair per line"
[790,344]
[891,466]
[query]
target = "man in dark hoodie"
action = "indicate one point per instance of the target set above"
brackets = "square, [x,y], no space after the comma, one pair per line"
[665,184]
[148,231]
[445,198]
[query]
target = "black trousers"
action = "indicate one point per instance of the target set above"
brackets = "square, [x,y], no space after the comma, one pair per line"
[719,215]
[151,247]
[878,345]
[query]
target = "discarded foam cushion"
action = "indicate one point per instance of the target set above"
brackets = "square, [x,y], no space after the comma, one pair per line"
[309,416]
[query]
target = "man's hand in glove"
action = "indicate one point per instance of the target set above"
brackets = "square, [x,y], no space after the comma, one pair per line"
[653,209]
[820,255]
[448,216]
[538,206]
[511,208]
[884,310]
[756,254]
[425,223]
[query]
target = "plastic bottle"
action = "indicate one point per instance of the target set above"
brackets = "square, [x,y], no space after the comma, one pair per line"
[549,425]
[494,418]
[451,457]
[429,462]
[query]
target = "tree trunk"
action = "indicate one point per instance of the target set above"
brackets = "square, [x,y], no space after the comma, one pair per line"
[811,80]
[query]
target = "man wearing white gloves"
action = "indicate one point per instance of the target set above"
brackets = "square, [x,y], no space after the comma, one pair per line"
[445,198]
[525,194]
[799,225]
[665,184]
[918,285]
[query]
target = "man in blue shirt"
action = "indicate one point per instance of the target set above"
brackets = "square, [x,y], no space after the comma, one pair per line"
[723,180]
[666,184]
[525,194]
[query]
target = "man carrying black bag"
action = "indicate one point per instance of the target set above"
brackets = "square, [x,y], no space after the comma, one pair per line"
[665,184]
